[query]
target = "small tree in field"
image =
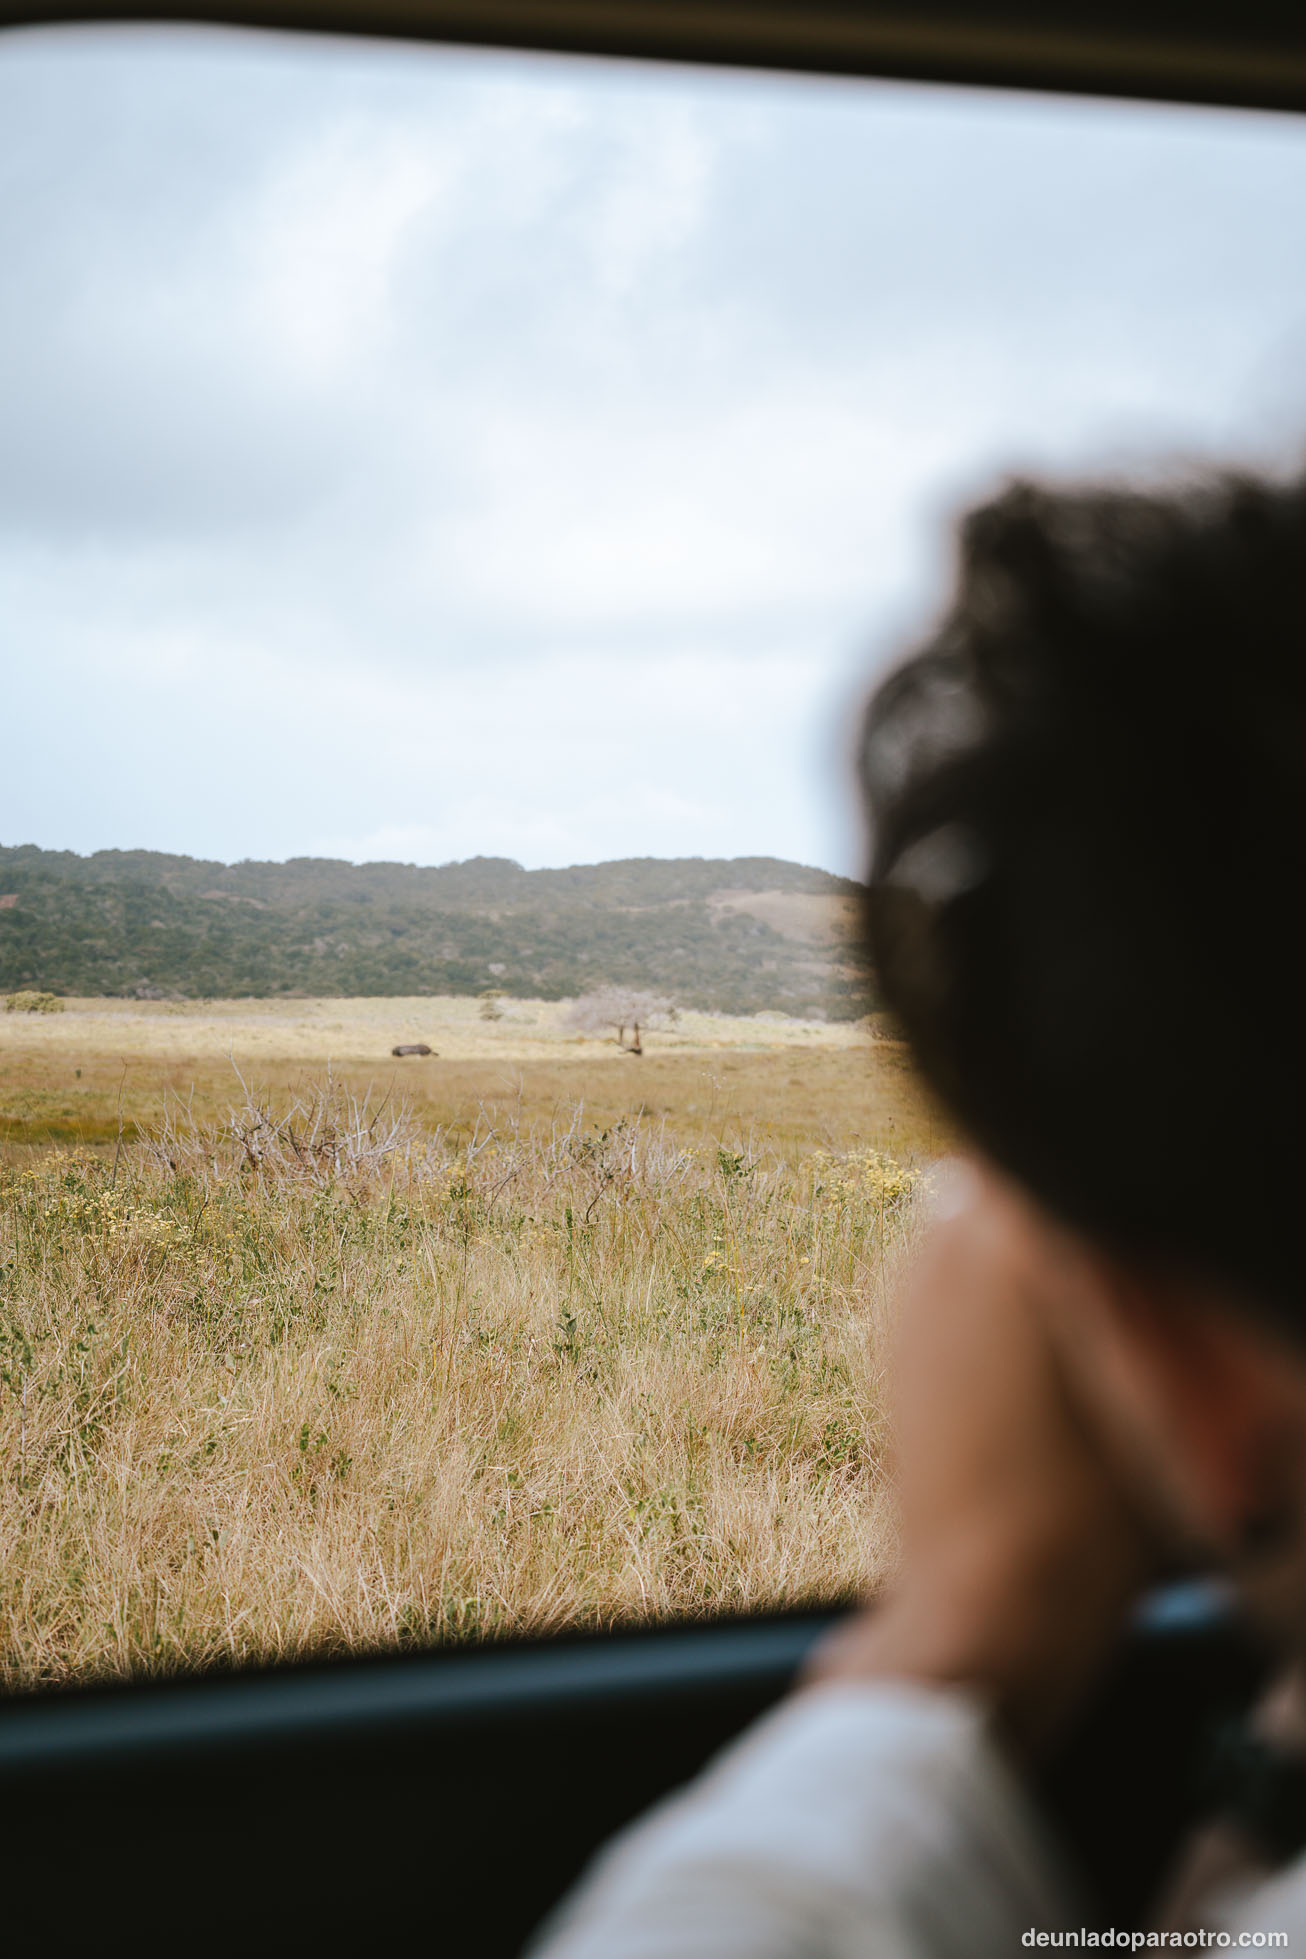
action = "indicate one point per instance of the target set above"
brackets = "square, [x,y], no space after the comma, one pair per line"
[619,1008]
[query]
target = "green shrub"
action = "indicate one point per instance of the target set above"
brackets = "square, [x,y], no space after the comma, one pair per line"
[33,1003]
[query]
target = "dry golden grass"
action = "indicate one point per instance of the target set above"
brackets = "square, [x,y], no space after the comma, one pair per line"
[77,1076]
[501,1362]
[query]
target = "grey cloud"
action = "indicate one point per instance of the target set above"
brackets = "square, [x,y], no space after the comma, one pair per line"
[338,377]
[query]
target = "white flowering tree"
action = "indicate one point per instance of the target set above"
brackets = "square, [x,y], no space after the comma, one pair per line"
[620,1010]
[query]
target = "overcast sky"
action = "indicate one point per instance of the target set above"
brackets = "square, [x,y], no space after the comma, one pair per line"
[411,454]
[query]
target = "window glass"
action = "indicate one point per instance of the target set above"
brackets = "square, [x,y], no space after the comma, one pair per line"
[450,506]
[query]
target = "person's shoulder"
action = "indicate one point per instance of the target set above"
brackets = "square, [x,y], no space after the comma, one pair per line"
[1270,1916]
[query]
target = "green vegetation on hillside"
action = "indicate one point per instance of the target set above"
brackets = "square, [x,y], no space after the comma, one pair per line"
[148,924]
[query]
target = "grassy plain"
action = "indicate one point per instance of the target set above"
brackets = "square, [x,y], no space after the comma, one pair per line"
[336,1352]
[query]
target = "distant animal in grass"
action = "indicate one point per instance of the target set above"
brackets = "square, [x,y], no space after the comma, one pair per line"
[413,1047]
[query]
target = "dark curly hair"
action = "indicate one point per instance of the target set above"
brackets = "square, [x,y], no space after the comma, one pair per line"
[1087,798]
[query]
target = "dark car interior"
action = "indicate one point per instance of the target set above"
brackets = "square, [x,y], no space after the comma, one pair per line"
[452,1797]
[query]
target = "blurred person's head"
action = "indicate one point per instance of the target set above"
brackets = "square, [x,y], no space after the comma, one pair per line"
[1088,804]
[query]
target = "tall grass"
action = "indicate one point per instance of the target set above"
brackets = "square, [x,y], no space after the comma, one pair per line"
[311,1379]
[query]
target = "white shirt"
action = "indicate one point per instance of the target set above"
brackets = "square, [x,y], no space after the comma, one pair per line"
[856,1820]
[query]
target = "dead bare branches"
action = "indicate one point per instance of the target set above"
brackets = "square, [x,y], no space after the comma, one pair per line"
[326,1136]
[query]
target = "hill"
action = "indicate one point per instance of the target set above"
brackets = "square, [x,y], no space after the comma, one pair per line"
[739,935]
